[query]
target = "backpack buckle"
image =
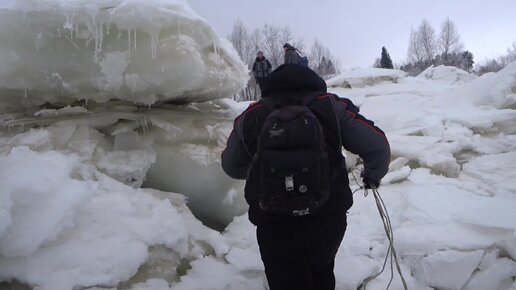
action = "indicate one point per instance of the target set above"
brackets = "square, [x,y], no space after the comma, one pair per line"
[301,212]
[289,182]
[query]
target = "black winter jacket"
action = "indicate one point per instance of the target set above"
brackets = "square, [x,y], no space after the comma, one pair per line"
[261,68]
[338,117]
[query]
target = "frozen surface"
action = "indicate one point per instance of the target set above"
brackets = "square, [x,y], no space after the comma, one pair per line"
[100,194]
[448,269]
[450,194]
[85,229]
[497,276]
[447,74]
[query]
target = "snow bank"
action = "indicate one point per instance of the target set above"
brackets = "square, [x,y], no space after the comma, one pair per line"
[493,89]
[447,74]
[365,77]
[144,52]
[487,169]
[64,224]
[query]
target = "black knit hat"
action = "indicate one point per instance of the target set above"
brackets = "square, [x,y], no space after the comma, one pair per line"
[286,45]
[292,78]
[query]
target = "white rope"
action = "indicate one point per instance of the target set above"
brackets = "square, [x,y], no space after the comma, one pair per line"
[391,251]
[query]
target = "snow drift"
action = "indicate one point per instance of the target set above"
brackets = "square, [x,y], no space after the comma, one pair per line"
[361,78]
[448,74]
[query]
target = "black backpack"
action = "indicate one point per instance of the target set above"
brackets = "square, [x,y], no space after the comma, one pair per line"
[292,161]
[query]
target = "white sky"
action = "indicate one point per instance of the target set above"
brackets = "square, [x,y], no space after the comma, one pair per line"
[355,31]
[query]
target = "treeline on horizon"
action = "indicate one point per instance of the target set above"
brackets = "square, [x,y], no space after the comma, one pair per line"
[426,48]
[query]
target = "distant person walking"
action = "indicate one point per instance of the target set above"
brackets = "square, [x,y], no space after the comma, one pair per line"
[261,69]
[291,55]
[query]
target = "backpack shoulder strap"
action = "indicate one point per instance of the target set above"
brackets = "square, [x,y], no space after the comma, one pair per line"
[310,97]
[268,103]
[337,120]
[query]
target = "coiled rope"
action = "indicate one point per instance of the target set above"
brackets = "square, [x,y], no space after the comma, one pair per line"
[391,251]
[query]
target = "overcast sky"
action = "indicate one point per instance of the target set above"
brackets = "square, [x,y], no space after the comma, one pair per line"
[355,31]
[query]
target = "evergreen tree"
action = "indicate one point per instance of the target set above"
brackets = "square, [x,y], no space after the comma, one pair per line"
[385,61]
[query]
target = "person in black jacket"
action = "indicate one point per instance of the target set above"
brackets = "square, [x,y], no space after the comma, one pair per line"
[298,252]
[261,69]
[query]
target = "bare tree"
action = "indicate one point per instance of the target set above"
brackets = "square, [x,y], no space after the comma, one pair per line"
[415,49]
[449,38]
[426,38]
[317,52]
[272,44]
[270,39]
[241,40]
[495,65]
[376,63]
[244,45]
[256,39]
[510,56]
[422,48]
[322,61]
[274,38]
[489,65]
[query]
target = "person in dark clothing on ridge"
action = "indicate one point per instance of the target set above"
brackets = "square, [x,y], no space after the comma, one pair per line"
[298,252]
[261,69]
[291,55]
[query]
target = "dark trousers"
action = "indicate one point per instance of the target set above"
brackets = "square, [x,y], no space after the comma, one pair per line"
[300,255]
[260,82]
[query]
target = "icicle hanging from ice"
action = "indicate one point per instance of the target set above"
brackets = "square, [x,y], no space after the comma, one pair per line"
[134,39]
[69,24]
[129,43]
[145,123]
[101,29]
[95,27]
[154,45]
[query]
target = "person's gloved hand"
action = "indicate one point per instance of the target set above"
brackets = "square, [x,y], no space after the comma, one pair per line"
[369,182]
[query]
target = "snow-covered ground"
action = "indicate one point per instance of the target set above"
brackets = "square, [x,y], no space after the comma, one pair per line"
[98,190]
